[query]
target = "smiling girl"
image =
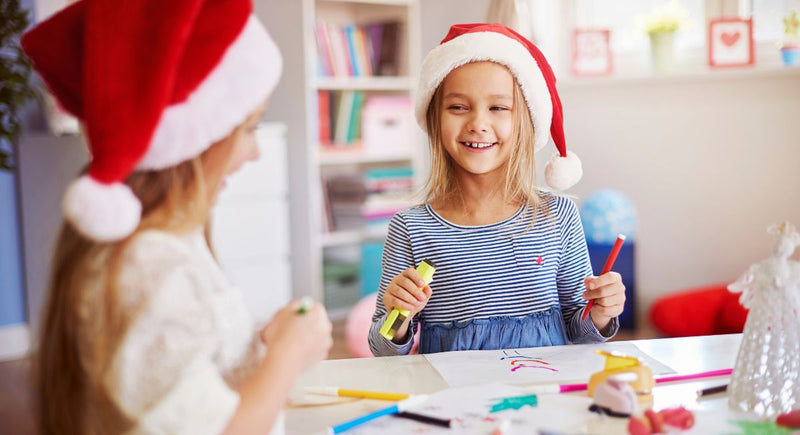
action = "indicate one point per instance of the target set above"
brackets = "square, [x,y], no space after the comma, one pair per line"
[512,269]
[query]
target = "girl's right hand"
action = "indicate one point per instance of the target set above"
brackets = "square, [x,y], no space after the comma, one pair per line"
[304,339]
[407,291]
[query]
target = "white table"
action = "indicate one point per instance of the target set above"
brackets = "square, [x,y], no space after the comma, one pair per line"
[414,374]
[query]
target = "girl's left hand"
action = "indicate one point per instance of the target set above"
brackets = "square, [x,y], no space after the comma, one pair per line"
[608,293]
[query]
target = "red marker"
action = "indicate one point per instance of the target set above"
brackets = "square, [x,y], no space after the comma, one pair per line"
[612,257]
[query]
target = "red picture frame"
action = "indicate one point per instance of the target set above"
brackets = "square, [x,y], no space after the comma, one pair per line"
[730,42]
[591,52]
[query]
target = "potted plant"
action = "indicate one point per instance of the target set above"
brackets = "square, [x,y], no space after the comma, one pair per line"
[660,25]
[790,49]
[15,89]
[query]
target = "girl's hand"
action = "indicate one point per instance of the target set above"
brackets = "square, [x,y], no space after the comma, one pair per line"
[407,291]
[608,293]
[302,339]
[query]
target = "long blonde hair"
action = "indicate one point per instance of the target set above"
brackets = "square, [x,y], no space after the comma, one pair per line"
[69,365]
[520,171]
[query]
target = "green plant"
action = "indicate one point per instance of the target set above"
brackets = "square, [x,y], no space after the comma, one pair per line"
[668,17]
[791,29]
[15,69]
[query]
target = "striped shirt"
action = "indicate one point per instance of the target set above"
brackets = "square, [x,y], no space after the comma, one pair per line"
[533,261]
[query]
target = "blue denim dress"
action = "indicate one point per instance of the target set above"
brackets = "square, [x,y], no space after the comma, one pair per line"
[543,328]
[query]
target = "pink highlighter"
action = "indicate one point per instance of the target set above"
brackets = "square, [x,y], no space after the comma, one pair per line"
[612,257]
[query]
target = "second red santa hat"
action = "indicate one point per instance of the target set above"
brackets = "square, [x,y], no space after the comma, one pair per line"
[477,42]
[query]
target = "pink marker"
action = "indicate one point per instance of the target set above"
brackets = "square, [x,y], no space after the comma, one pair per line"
[566,388]
[612,257]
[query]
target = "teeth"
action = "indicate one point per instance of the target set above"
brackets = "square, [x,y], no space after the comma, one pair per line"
[478,144]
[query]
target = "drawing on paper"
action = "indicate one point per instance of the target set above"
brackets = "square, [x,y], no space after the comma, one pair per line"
[519,361]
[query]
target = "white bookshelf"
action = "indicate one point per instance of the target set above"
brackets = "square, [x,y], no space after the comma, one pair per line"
[318,162]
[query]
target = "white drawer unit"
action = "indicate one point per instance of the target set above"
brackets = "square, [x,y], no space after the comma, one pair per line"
[250,226]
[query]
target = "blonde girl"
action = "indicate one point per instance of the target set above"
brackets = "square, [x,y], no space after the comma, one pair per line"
[512,268]
[142,331]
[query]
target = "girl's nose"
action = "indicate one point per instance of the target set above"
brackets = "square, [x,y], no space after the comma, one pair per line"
[478,122]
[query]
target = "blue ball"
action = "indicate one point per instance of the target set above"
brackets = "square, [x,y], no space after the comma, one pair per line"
[605,214]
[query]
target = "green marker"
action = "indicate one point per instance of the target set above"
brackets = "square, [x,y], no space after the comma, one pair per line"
[305,304]
[397,316]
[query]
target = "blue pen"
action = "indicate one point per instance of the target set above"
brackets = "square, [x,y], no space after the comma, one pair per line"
[394,409]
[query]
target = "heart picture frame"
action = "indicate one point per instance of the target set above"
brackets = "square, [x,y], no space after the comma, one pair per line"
[730,42]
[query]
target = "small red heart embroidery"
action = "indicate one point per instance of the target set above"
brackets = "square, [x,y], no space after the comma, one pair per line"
[539,260]
[729,38]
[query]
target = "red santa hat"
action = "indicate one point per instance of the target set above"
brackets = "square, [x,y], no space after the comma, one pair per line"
[467,43]
[155,83]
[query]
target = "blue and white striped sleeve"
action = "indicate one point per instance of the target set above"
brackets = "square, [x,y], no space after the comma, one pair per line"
[574,267]
[397,257]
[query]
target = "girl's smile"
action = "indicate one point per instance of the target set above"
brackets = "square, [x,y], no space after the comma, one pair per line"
[477,147]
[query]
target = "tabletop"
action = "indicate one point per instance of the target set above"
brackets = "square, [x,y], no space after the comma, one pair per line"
[413,374]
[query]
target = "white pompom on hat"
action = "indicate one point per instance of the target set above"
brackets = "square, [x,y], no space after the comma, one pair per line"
[155,83]
[466,43]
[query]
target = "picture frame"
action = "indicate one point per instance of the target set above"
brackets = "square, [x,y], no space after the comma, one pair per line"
[591,52]
[730,42]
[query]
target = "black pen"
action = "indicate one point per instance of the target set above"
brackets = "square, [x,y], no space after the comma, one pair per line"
[443,422]
[712,390]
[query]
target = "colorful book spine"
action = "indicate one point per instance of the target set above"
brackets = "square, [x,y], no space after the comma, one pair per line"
[323,49]
[324,102]
[352,47]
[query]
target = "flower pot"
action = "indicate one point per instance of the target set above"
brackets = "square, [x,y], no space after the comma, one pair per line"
[790,55]
[662,51]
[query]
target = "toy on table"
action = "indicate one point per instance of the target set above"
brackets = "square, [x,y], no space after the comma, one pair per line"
[790,419]
[666,420]
[618,363]
[396,318]
[766,378]
[615,397]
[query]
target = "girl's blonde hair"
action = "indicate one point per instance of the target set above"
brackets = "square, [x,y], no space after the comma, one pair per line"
[520,170]
[76,341]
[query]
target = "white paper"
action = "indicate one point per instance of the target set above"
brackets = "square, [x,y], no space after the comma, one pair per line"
[554,364]
[469,409]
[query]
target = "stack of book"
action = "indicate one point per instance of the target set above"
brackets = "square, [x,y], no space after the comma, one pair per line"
[352,50]
[367,201]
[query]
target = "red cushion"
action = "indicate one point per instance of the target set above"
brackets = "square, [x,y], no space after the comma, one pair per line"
[698,311]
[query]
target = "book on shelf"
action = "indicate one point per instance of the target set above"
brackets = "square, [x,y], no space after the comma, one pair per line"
[389,54]
[344,111]
[323,42]
[324,108]
[358,50]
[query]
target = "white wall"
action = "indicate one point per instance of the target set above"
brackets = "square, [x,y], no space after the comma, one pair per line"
[709,162]
[46,165]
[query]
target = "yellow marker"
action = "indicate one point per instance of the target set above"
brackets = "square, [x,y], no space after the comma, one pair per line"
[397,316]
[342,392]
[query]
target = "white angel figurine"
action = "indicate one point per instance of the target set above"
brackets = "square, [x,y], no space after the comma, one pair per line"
[766,379]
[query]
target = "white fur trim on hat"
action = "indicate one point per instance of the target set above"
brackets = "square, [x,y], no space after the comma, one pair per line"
[243,79]
[561,173]
[101,212]
[494,47]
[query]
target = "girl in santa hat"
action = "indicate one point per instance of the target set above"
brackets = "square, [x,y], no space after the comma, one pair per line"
[142,332]
[512,267]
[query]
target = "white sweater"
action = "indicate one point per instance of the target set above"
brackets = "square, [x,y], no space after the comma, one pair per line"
[189,343]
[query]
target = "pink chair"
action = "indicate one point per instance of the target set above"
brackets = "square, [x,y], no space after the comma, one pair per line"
[356,330]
